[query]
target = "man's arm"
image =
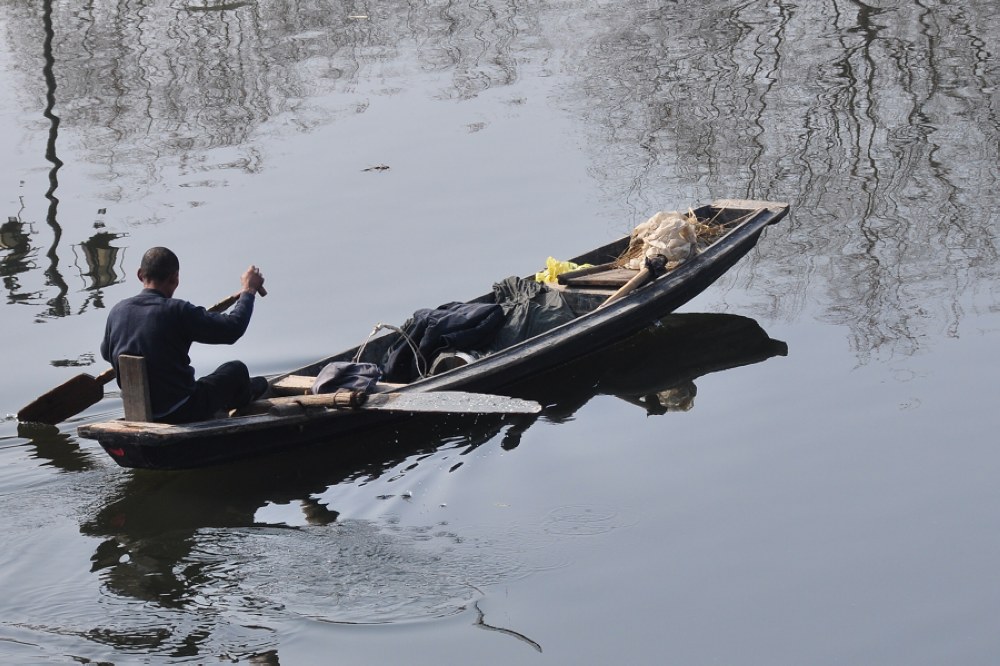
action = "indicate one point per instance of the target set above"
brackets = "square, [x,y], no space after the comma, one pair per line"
[218,329]
[225,329]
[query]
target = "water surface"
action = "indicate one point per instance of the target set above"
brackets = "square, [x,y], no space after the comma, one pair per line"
[826,498]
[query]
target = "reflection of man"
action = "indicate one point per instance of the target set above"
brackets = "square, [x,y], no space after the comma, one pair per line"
[160,328]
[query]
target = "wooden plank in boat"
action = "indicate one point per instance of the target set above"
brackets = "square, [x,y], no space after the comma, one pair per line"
[302,385]
[293,385]
[612,278]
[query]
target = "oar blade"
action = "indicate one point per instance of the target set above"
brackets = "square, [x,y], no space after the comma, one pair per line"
[64,401]
[431,402]
[450,402]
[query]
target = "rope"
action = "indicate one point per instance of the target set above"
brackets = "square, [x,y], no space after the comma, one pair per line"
[419,359]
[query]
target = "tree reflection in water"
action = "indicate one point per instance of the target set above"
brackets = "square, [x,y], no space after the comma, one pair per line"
[878,124]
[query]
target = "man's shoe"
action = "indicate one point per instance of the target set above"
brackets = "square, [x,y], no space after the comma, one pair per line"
[258,387]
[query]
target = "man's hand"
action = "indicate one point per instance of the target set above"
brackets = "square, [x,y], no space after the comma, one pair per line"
[253,281]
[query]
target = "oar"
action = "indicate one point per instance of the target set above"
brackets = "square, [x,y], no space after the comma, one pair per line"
[654,266]
[80,392]
[437,402]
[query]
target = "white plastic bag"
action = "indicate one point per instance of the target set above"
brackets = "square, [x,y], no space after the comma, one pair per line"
[666,233]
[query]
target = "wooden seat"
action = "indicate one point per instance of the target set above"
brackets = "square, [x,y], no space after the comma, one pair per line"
[292,385]
[135,388]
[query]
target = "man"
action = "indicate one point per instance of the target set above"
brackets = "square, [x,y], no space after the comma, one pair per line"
[160,328]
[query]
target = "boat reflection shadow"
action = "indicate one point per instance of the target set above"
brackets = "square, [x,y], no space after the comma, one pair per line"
[654,369]
[149,523]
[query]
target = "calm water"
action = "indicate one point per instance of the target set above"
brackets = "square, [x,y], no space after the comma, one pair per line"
[833,501]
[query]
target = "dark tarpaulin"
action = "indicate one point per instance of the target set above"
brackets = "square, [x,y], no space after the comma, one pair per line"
[530,308]
[522,309]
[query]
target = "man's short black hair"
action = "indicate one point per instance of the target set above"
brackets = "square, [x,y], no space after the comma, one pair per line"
[158,264]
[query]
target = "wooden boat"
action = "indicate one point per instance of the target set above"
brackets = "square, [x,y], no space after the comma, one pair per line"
[596,323]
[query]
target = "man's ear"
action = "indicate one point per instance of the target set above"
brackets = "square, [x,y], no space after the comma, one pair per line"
[139,275]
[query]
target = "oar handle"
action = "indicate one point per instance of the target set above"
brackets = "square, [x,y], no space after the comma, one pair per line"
[105,376]
[654,265]
[630,286]
[224,304]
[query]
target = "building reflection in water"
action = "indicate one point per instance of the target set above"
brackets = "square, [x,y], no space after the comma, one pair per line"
[98,261]
[16,258]
[104,265]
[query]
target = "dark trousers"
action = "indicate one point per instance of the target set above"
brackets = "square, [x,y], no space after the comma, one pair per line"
[226,388]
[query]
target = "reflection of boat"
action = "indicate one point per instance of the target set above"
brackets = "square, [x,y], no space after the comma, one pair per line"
[673,352]
[739,223]
[656,367]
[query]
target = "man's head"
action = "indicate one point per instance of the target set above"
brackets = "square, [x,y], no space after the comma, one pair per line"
[160,270]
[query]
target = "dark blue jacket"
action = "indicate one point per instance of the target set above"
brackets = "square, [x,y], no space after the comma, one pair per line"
[162,329]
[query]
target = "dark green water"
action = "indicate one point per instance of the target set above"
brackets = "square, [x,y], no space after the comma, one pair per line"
[835,505]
